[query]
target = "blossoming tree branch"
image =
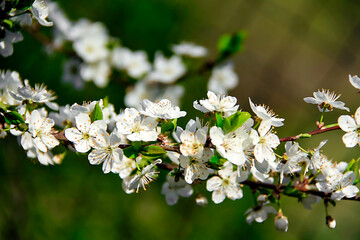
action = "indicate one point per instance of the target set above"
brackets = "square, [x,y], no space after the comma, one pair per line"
[224,149]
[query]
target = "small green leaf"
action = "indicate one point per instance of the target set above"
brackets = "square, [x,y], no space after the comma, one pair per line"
[167,127]
[356,181]
[332,202]
[226,125]
[96,114]
[130,152]
[215,159]
[219,120]
[238,119]
[352,165]
[106,101]
[153,151]
[305,135]
[230,44]
[235,121]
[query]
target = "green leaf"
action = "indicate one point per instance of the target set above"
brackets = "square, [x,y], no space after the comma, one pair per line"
[332,202]
[356,181]
[226,125]
[219,120]
[352,166]
[167,126]
[230,44]
[235,121]
[14,118]
[130,152]
[96,114]
[153,151]
[106,101]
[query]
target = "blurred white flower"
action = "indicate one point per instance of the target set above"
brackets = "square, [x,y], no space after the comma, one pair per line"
[98,72]
[9,81]
[135,63]
[189,49]
[173,189]
[6,44]
[166,70]
[281,223]
[124,167]
[326,100]
[153,91]
[259,214]
[223,78]
[192,143]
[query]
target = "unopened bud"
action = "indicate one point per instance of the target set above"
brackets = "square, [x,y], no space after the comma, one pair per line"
[201,200]
[330,222]
[281,222]
[262,198]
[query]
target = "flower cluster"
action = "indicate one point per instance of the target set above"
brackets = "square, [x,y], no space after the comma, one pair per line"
[231,149]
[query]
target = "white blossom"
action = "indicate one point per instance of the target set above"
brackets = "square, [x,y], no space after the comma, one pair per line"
[281,223]
[40,129]
[40,11]
[98,72]
[355,81]
[6,44]
[135,63]
[71,73]
[267,115]
[341,185]
[39,94]
[106,150]
[195,168]
[64,118]
[166,70]
[259,214]
[192,143]
[85,134]
[230,145]
[224,185]
[264,142]
[326,100]
[147,175]
[217,103]
[351,126]
[189,49]
[162,109]
[223,78]
[173,189]
[9,81]
[124,167]
[292,159]
[155,91]
[137,127]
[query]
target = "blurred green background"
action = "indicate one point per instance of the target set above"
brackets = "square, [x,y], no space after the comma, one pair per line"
[293,48]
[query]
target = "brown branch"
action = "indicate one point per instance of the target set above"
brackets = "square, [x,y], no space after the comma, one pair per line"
[317,131]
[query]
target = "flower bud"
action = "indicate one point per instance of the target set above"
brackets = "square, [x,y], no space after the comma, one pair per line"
[330,222]
[201,200]
[262,198]
[281,223]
